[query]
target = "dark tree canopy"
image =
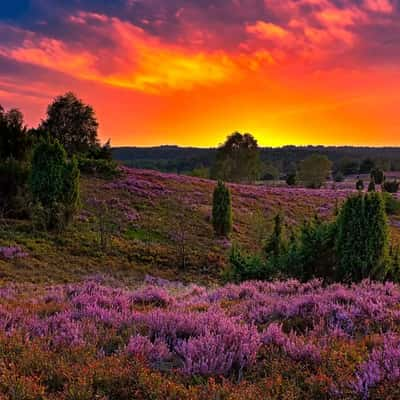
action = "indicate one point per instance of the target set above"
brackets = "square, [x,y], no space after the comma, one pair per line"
[73,123]
[238,159]
[14,138]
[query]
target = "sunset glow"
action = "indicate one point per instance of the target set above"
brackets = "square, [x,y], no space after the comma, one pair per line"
[191,72]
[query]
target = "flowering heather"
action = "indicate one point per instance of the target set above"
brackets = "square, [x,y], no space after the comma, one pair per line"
[12,252]
[286,340]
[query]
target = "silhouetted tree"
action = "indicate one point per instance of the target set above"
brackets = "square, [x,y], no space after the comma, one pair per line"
[14,138]
[238,159]
[73,123]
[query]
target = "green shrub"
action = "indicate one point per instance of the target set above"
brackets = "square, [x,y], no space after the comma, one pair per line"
[371,186]
[362,241]
[100,167]
[360,185]
[391,186]
[222,210]
[291,179]
[378,175]
[392,205]
[54,184]
[13,187]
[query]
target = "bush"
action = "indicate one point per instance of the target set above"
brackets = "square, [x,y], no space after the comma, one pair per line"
[362,242]
[391,186]
[244,267]
[371,186]
[378,176]
[338,176]
[222,210]
[360,185]
[13,187]
[54,185]
[291,179]
[101,167]
[392,205]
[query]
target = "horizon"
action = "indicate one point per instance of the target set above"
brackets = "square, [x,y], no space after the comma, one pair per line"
[293,73]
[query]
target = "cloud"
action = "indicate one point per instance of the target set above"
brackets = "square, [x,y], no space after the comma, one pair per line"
[135,60]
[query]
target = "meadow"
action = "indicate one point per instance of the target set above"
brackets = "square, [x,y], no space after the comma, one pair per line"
[105,310]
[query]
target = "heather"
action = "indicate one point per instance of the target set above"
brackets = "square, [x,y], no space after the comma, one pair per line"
[161,338]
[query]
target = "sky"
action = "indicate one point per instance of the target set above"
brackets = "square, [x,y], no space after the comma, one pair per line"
[190,72]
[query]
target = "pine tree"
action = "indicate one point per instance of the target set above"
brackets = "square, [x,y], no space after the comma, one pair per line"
[276,243]
[362,238]
[222,210]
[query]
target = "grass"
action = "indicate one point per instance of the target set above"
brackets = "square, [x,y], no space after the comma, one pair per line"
[160,205]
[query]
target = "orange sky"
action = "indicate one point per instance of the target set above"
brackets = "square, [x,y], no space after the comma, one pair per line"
[296,72]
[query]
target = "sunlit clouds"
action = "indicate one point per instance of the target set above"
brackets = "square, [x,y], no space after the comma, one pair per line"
[189,72]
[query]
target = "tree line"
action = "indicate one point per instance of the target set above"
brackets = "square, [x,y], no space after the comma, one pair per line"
[40,167]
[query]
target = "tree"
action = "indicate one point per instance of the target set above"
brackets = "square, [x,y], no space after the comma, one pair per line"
[360,185]
[391,186]
[378,175]
[362,239]
[238,159]
[73,123]
[291,179]
[367,165]
[14,138]
[314,170]
[276,243]
[54,184]
[222,210]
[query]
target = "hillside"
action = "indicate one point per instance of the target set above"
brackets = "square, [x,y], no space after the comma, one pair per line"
[145,214]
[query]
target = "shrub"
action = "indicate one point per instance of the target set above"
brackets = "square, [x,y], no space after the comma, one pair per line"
[391,186]
[392,205]
[378,176]
[222,210]
[276,243]
[371,186]
[244,267]
[101,167]
[362,238]
[291,179]
[13,187]
[54,184]
[338,176]
[360,185]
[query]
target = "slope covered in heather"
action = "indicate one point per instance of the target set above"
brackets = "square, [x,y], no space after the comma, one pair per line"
[142,216]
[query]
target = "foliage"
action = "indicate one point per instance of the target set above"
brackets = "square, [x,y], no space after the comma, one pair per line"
[360,185]
[54,184]
[13,187]
[366,166]
[165,340]
[222,210]
[391,186]
[371,185]
[314,171]
[276,243]
[362,238]
[392,204]
[238,159]
[378,175]
[15,141]
[71,122]
[338,176]
[291,179]
[98,167]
